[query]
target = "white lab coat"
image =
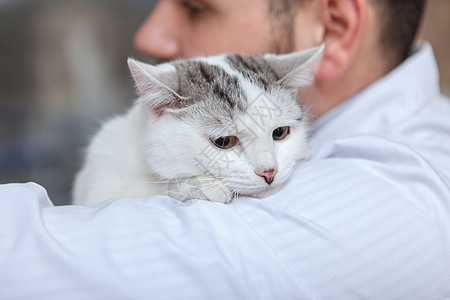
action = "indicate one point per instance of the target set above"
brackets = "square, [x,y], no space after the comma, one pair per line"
[367,218]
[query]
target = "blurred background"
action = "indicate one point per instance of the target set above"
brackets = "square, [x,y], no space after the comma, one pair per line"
[63,71]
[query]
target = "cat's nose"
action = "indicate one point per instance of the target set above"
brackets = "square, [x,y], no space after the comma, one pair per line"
[267,174]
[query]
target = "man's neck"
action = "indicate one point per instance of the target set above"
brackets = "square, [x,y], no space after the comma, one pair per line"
[365,69]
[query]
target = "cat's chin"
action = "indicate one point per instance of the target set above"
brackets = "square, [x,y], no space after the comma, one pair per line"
[262,192]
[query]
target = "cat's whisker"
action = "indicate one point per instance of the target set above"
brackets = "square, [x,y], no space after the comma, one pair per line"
[235,197]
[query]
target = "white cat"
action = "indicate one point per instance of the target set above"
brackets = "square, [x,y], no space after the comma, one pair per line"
[206,128]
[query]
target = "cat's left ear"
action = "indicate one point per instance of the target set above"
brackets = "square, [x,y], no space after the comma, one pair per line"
[296,69]
[156,84]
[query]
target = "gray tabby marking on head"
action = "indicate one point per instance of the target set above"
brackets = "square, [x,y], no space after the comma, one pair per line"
[254,69]
[200,81]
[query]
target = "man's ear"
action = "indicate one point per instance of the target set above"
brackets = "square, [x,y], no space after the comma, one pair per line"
[157,85]
[344,22]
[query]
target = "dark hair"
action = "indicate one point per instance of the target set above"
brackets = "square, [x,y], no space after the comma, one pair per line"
[282,13]
[400,21]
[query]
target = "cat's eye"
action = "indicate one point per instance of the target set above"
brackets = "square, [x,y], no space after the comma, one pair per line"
[281,133]
[224,142]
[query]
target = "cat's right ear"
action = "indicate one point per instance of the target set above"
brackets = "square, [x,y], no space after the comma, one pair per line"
[296,69]
[157,85]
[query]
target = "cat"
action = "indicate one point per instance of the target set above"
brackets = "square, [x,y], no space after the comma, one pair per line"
[205,128]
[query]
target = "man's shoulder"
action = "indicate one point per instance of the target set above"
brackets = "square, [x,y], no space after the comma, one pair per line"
[426,133]
[368,166]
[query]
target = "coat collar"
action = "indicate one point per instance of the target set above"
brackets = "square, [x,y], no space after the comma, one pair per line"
[386,103]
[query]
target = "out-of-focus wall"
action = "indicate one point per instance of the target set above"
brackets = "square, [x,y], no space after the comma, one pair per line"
[436,29]
[63,71]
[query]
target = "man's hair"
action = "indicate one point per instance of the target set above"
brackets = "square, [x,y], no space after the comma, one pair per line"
[399,21]
[282,13]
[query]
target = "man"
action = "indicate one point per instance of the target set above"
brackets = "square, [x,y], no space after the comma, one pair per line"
[367,217]
[364,39]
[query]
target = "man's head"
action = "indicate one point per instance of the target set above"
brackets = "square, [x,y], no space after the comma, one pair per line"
[399,22]
[364,38]
[282,16]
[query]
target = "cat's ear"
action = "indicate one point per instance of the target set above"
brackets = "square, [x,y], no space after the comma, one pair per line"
[296,69]
[157,85]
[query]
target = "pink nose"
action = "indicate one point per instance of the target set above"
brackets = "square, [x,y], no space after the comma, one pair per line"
[268,175]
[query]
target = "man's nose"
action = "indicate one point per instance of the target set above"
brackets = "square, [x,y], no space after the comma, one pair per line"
[157,36]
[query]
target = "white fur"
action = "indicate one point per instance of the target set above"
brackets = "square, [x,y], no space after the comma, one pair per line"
[114,163]
[137,155]
[144,152]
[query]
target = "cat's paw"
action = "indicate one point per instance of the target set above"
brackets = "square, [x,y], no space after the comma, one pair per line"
[216,191]
[184,188]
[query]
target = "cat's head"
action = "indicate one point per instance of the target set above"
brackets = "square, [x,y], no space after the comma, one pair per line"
[231,117]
